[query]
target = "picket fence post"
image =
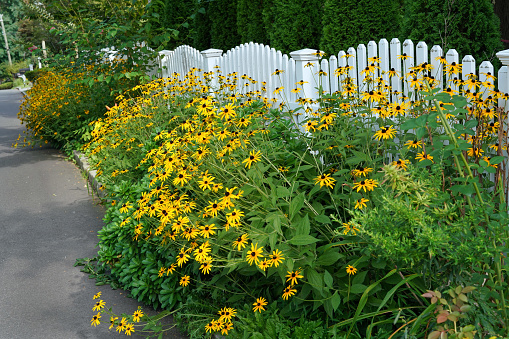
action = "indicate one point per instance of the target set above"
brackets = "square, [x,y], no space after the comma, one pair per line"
[210,60]
[306,65]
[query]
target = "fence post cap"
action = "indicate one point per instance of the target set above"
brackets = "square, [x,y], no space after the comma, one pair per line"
[503,56]
[212,52]
[306,54]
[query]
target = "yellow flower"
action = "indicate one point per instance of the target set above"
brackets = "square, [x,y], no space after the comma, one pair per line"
[423,156]
[97,296]
[129,328]
[99,305]
[401,163]
[361,203]
[385,133]
[351,270]
[253,254]
[293,276]
[253,158]
[258,305]
[95,320]
[325,180]
[276,258]
[137,315]
[288,292]
[241,242]
[226,314]
[365,185]
[184,281]
[413,144]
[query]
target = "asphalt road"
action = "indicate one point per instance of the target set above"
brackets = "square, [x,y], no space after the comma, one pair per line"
[47,220]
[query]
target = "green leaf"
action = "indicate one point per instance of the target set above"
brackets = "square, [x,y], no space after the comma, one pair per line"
[303,240]
[327,278]
[467,189]
[323,219]
[335,300]
[296,204]
[303,227]
[328,258]
[314,279]
[282,192]
[358,288]
[497,160]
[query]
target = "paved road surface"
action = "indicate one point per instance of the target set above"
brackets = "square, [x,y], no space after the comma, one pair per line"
[47,220]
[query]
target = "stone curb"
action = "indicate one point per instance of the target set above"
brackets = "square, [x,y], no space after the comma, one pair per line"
[82,162]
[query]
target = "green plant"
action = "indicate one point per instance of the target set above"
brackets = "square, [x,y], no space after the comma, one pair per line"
[6,85]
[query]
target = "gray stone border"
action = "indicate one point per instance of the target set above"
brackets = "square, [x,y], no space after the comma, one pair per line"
[82,162]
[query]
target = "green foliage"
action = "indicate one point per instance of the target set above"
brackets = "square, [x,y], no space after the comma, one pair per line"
[223,24]
[250,24]
[6,85]
[470,27]
[293,25]
[348,23]
[202,26]
[172,14]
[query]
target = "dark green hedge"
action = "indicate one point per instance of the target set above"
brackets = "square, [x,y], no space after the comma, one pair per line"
[250,23]
[469,26]
[223,29]
[294,25]
[348,23]
[6,85]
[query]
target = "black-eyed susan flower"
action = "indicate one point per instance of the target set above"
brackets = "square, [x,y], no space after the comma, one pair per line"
[413,144]
[293,276]
[259,304]
[254,254]
[325,180]
[121,325]
[361,203]
[99,305]
[226,314]
[113,322]
[276,258]
[95,320]
[401,163]
[288,292]
[137,315]
[361,171]
[207,230]
[185,280]
[97,295]
[311,125]
[365,185]
[350,228]
[254,157]
[129,329]
[423,156]
[241,241]
[264,264]
[351,270]
[385,133]
[182,257]
[206,266]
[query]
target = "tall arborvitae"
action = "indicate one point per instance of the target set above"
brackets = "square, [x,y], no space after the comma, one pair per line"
[294,25]
[202,25]
[223,30]
[348,23]
[176,14]
[250,23]
[469,26]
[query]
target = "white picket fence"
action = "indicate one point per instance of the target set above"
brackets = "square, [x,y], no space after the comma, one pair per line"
[260,62]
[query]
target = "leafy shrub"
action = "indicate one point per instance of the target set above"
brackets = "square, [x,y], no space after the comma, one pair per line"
[6,85]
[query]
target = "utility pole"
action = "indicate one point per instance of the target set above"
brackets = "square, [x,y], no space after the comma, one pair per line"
[5,38]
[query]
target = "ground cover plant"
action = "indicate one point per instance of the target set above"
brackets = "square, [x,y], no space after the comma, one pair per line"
[358,221]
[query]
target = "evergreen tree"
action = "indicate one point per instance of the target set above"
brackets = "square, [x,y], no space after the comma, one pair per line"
[250,23]
[11,10]
[176,15]
[469,26]
[348,23]
[202,25]
[294,25]
[223,30]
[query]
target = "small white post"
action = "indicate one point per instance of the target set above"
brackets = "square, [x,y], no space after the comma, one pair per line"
[306,65]
[39,62]
[503,56]
[210,60]
[44,54]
